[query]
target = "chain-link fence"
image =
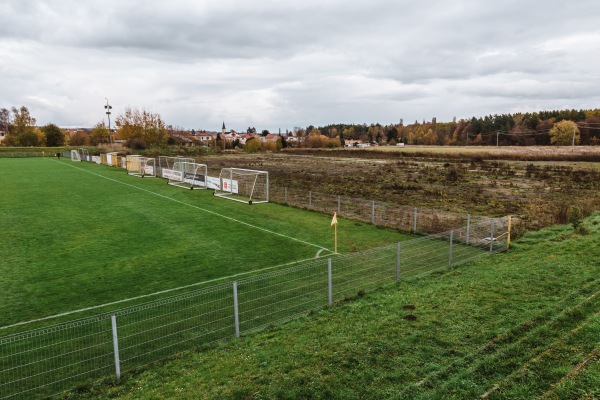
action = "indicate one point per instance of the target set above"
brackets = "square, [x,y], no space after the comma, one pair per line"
[24,154]
[46,361]
[408,219]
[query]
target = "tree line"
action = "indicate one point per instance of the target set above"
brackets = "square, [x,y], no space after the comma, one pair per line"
[140,128]
[542,128]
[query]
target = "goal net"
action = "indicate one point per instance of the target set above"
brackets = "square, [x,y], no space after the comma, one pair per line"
[84,154]
[141,166]
[188,175]
[166,165]
[75,156]
[244,185]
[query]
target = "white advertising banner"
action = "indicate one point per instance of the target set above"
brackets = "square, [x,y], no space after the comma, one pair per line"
[196,180]
[172,174]
[212,182]
[230,186]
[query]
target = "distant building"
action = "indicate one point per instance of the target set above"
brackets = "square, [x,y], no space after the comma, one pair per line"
[271,137]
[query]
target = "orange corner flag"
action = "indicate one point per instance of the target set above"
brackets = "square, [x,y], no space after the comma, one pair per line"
[334,220]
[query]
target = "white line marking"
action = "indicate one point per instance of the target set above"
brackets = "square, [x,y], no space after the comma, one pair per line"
[180,287]
[199,208]
[151,294]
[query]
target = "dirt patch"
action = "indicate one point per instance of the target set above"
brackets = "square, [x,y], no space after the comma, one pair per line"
[410,317]
[464,182]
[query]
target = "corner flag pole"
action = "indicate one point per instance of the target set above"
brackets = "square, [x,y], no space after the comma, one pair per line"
[334,223]
[508,237]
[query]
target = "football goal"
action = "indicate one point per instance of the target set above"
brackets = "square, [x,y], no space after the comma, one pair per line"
[75,156]
[188,175]
[166,165]
[243,185]
[141,166]
[84,154]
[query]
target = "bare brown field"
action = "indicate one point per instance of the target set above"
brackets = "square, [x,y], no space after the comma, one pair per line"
[536,184]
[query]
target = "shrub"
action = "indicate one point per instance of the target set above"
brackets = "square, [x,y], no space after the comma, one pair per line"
[575,217]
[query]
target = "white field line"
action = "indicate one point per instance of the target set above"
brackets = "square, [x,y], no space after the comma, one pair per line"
[202,209]
[143,296]
[321,249]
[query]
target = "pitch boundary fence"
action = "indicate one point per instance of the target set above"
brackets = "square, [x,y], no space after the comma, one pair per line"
[404,218]
[53,359]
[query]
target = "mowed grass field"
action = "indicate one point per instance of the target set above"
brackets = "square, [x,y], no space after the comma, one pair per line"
[519,325]
[76,235]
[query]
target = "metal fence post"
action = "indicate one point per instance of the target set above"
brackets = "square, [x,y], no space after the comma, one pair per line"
[398,263]
[373,213]
[236,313]
[339,202]
[450,253]
[310,199]
[415,221]
[492,237]
[113,320]
[329,283]
[468,228]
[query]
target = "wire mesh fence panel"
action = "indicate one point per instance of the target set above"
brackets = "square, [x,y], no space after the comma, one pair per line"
[355,208]
[324,202]
[278,194]
[423,255]
[44,362]
[24,154]
[409,219]
[362,272]
[153,331]
[277,296]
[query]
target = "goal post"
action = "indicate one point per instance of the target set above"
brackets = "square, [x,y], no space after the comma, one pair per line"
[84,154]
[75,156]
[244,185]
[188,175]
[141,166]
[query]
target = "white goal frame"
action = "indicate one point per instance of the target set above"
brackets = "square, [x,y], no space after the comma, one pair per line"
[188,175]
[166,163]
[144,167]
[75,156]
[84,154]
[244,185]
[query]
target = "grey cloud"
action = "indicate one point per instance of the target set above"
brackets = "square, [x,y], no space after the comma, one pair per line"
[287,64]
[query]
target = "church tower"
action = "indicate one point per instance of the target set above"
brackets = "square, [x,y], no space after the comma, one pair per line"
[223,128]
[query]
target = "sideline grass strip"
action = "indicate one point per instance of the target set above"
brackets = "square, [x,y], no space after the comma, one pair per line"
[368,349]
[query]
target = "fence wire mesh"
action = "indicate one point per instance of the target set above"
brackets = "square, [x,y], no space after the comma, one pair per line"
[404,218]
[24,154]
[46,361]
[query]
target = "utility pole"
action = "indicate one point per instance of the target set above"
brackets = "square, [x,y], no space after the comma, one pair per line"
[574,129]
[108,108]
[496,138]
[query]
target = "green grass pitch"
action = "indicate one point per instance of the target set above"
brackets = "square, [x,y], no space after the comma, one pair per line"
[75,235]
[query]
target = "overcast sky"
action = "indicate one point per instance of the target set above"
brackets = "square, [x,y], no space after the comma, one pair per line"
[280,64]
